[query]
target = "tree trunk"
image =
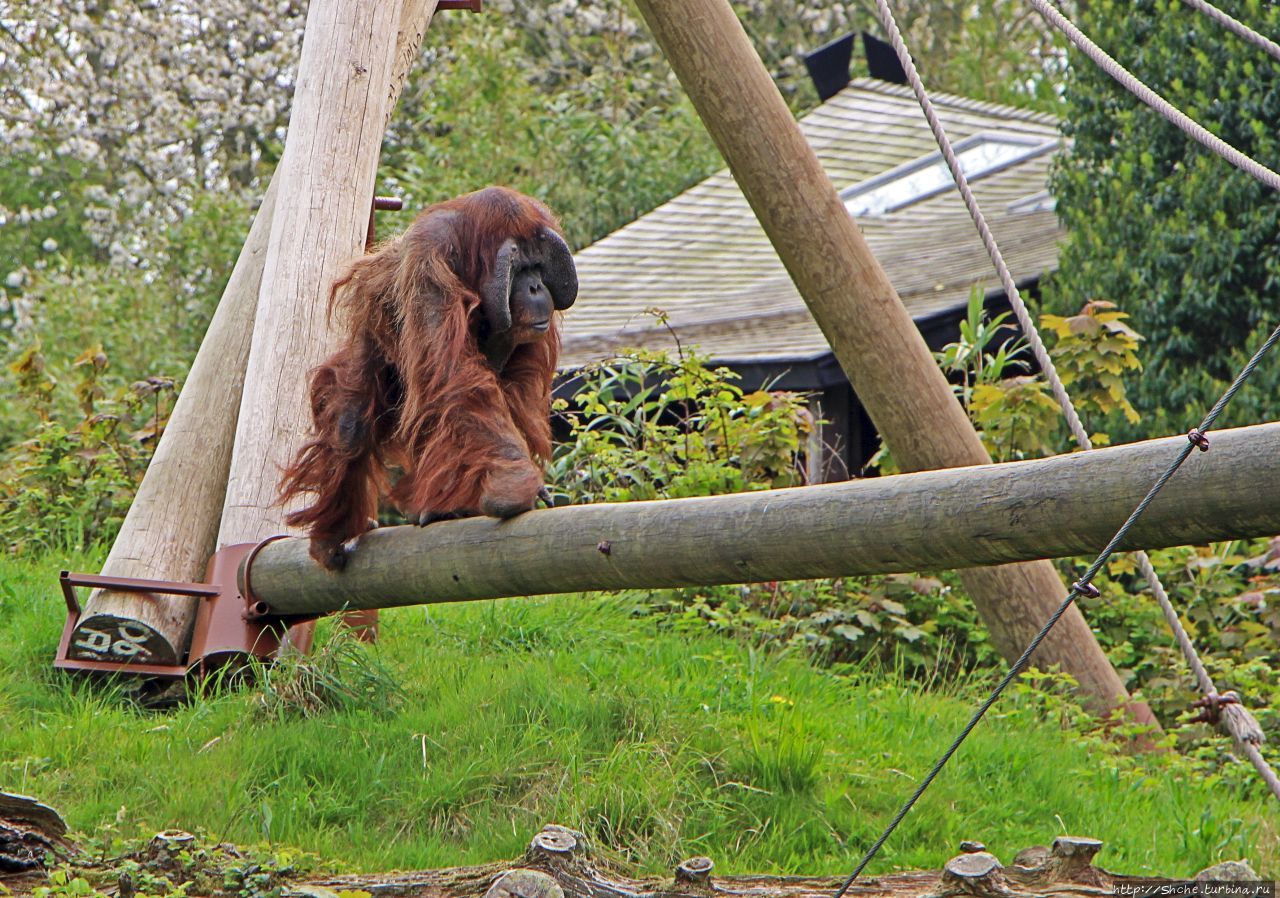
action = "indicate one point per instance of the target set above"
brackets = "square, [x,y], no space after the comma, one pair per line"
[1061,506]
[327,177]
[857,308]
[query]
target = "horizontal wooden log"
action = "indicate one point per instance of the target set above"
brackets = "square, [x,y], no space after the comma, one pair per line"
[573,870]
[562,863]
[934,520]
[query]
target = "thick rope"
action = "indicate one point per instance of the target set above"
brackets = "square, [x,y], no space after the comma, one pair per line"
[1176,117]
[1241,725]
[1235,26]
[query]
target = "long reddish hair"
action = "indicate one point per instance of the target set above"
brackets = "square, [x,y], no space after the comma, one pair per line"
[409,385]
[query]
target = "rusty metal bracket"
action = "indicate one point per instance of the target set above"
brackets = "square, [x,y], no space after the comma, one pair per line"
[470,5]
[70,582]
[231,624]
[380,204]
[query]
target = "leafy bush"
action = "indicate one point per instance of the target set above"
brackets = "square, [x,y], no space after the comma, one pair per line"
[644,426]
[71,482]
[918,625]
[1187,243]
[1013,411]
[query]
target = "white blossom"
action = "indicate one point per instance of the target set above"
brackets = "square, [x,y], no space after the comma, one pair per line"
[161,99]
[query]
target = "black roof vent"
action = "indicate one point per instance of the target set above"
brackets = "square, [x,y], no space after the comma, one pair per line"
[882,61]
[829,66]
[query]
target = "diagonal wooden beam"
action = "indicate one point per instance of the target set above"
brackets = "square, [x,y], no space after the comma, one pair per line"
[854,303]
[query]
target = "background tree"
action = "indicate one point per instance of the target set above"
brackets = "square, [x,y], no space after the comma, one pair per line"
[1187,244]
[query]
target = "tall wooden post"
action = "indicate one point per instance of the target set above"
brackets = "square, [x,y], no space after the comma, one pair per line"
[330,156]
[857,308]
[172,526]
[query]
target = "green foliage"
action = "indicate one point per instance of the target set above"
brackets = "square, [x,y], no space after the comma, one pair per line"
[1015,413]
[77,432]
[173,865]
[42,210]
[1186,243]
[599,146]
[644,426]
[1092,351]
[71,482]
[149,318]
[918,626]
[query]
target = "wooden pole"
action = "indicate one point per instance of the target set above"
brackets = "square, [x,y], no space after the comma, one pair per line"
[172,526]
[330,157]
[857,308]
[952,518]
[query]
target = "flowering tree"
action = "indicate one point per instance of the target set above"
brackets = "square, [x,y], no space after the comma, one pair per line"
[120,111]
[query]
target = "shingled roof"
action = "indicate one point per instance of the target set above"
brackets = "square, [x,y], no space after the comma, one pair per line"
[704,260]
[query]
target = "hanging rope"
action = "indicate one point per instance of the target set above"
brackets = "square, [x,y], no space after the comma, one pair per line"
[1235,26]
[1235,719]
[1174,116]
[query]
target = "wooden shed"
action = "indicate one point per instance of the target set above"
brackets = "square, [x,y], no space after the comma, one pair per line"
[703,259]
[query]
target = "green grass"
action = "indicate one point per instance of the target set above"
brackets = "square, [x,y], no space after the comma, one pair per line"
[572,710]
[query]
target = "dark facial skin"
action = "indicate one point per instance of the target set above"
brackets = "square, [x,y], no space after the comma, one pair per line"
[530,307]
[531,310]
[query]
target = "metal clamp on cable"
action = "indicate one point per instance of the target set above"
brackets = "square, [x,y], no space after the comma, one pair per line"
[1198,439]
[1211,706]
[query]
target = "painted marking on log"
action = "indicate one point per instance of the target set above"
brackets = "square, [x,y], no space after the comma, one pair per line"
[127,643]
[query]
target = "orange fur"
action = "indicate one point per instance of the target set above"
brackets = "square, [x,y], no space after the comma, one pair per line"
[409,385]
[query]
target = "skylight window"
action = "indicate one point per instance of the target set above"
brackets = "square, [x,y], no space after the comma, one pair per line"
[980,155]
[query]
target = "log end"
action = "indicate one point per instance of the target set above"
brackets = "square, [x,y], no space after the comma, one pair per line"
[25,809]
[114,639]
[695,871]
[557,843]
[974,873]
[1070,860]
[1228,871]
